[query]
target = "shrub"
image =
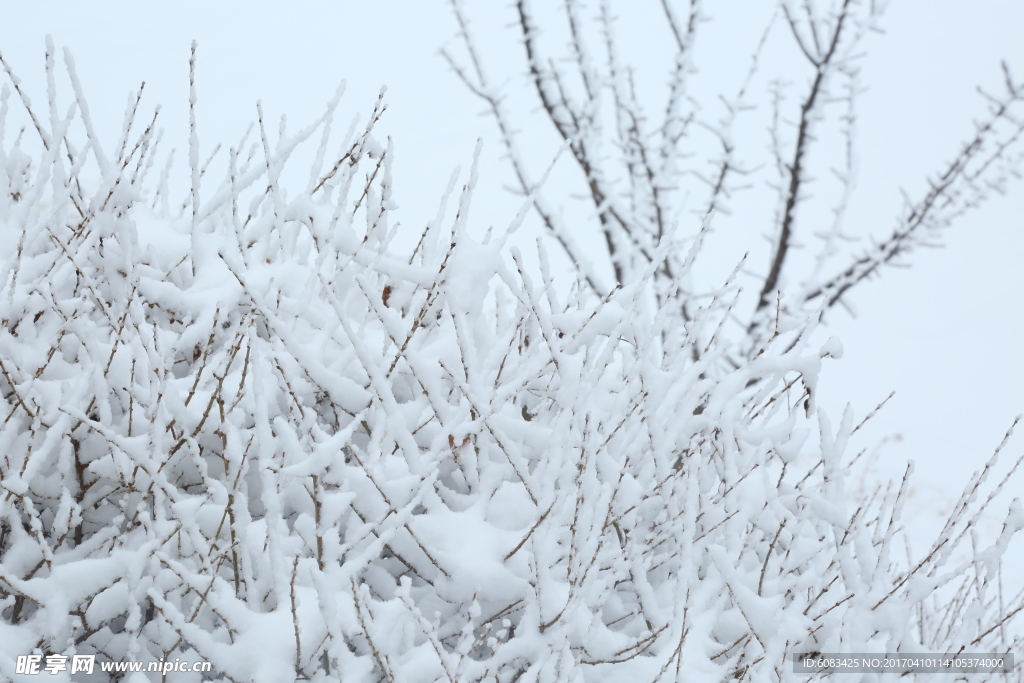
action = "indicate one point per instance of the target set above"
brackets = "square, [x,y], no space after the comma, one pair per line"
[255,432]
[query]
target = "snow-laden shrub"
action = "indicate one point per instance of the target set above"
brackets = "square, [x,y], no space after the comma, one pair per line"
[255,433]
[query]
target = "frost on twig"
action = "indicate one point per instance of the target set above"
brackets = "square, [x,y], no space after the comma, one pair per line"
[647,158]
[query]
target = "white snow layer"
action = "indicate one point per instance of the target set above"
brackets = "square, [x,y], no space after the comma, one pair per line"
[256,433]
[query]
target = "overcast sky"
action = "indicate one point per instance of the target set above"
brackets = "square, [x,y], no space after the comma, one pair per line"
[946,335]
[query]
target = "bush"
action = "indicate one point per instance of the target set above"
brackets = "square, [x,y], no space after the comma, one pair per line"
[256,433]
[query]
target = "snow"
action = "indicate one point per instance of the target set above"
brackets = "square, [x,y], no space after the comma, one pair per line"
[279,443]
